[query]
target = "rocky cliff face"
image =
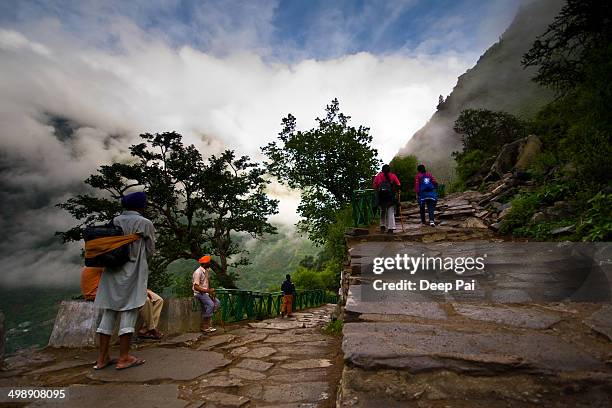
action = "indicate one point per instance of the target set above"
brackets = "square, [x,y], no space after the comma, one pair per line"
[497,82]
[1,338]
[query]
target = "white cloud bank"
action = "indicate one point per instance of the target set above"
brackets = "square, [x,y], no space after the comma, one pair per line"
[235,101]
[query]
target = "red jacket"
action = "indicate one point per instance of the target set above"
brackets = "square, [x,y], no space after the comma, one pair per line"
[419,176]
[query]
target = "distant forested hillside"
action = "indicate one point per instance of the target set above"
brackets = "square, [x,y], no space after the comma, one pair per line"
[272,257]
[30,314]
[497,82]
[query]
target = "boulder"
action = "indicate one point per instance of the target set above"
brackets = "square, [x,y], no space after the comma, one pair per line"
[504,212]
[529,152]
[1,338]
[560,209]
[517,156]
[538,217]
[495,226]
[505,161]
[473,222]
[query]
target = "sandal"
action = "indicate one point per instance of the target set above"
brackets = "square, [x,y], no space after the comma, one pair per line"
[151,335]
[134,363]
[108,363]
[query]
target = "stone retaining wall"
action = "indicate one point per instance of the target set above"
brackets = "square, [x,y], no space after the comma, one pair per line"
[76,321]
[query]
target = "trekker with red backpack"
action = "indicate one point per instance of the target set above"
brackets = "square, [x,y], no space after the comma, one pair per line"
[386,185]
[425,186]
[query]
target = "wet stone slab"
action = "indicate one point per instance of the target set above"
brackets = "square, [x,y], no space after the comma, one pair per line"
[246,339]
[418,347]
[226,400]
[305,364]
[386,305]
[222,381]
[601,321]
[518,317]
[124,395]
[216,341]
[187,339]
[300,350]
[510,296]
[178,364]
[27,359]
[278,324]
[260,352]
[239,351]
[279,375]
[63,365]
[307,391]
[246,374]
[294,338]
[254,365]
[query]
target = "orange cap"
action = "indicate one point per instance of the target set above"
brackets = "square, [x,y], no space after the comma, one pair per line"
[204,259]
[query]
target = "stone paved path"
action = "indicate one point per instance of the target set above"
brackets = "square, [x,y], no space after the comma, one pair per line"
[502,350]
[272,363]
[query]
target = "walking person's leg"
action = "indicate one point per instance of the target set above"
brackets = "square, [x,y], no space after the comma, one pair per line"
[422,210]
[283,305]
[127,322]
[105,330]
[289,305]
[391,218]
[383,218]
[431,207]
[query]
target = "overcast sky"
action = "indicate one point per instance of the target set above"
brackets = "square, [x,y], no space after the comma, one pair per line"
[81,79]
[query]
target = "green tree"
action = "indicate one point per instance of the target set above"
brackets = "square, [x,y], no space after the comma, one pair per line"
[483,133]
[574,57]
[195,205]
[326,163]
[487,130]
[405,169]
[579,35]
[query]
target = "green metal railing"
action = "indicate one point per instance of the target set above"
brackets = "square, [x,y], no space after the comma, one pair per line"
[364,207]
[239,305]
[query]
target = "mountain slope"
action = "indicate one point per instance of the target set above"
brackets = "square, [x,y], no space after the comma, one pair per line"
[496,82]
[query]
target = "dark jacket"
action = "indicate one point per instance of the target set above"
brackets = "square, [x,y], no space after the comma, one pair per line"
[288,288]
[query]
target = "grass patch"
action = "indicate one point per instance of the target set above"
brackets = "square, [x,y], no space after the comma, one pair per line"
[333,328]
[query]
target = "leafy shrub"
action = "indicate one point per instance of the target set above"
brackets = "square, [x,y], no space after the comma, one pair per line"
[542,231]
[597,222]
[555,191]
[486,130]
[523,208]
[468,163]
[405,169]
[333,328]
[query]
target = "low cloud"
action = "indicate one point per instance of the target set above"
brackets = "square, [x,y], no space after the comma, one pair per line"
[70,105]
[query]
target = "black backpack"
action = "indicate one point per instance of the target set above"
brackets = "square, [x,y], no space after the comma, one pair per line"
[114,258]
[386,190]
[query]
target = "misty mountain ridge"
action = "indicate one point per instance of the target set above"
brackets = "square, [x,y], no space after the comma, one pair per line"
[497,82]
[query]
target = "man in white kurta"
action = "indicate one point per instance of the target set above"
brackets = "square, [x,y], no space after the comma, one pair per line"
[123,290]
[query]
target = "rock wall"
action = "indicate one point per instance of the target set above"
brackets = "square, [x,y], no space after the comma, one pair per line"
[1,338]
[76,322]
[497,82]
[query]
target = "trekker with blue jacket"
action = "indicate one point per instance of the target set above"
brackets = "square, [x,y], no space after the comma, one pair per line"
[425,186]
